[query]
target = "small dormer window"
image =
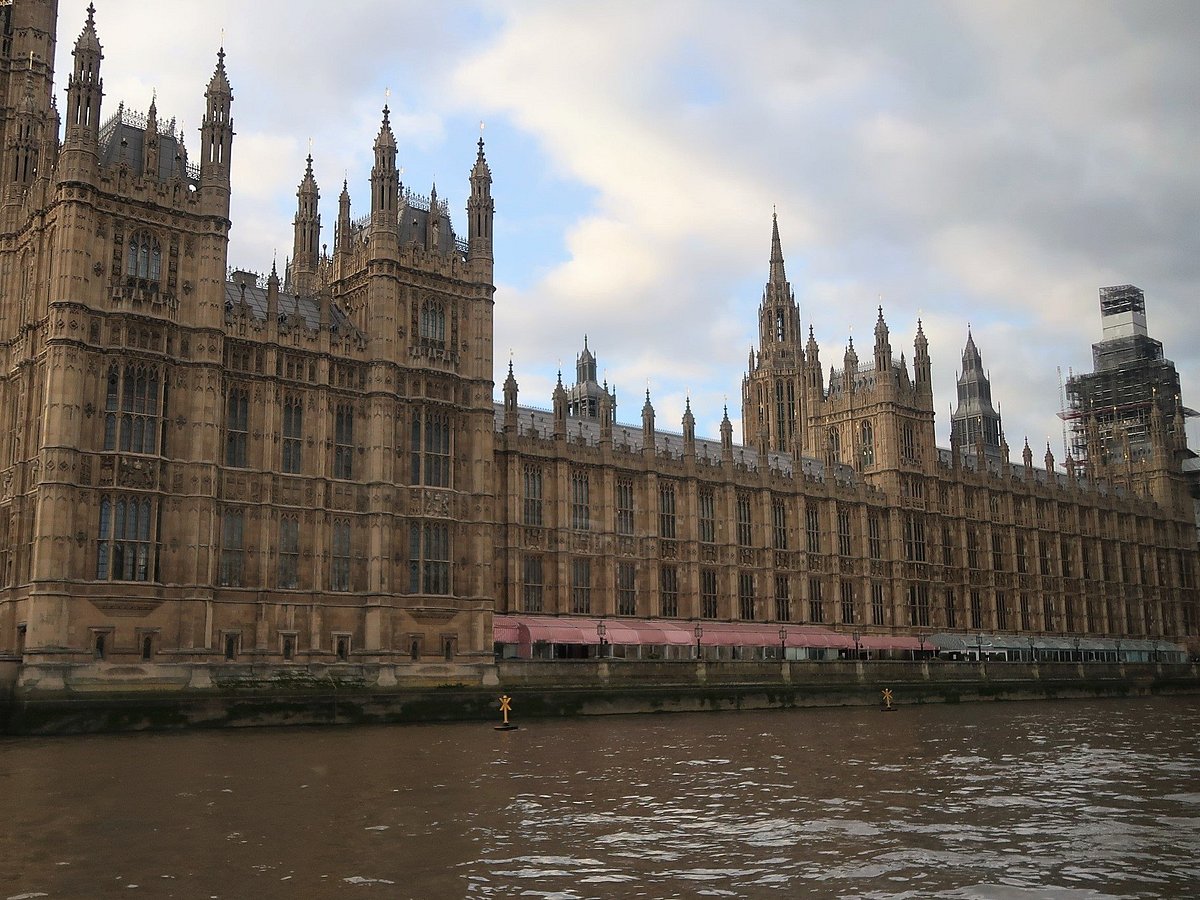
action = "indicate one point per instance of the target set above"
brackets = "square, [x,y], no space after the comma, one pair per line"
[143,260]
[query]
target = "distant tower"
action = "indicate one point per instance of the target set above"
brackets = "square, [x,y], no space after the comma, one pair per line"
[584,396]
[975,420]
[772,390]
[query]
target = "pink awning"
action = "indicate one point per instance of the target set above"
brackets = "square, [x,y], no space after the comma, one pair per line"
[505,630]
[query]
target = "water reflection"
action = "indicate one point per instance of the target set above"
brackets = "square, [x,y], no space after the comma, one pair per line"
[1080,800]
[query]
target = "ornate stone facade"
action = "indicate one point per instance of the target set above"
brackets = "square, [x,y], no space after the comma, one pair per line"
[205,467]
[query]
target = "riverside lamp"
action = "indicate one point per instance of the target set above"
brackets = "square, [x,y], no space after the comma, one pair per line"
[1078,654]
[782,643]
[698,631]
[1118,650]
[856,637]
[601,630]
[921,641]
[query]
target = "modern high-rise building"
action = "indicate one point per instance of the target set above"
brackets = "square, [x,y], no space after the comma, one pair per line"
[208,473]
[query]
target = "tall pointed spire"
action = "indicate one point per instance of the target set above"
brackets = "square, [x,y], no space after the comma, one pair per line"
[85,88]
[385,179]
[216,142]
[778,275]
[481,213]
[307,231]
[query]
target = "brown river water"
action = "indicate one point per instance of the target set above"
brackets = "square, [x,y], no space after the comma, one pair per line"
[991,800]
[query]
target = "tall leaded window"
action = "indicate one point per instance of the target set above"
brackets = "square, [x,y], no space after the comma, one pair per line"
[976,610]
[848,603]
[745,530]
[428,558]
[867,433]
[532,583]
[339,570]
[812,525]
[624,506]
[779,519]
[433,323]
[531,509]
[626,589]
[132,409]
[126,551]
[816,601]
[783,602]
[143,257]
[293,434]
[668,591]
[918,604]
[581,507]
[972,549]
[289,551]
[997,553]
[914,538]
[746,604]
[877,603]
[951,609]
[908,443]
[232,548]
[666,511]
[843,525]
[581,585]
[874,539]
[431,448]
[708,516]
[343,441]
[237,428]
[708,593]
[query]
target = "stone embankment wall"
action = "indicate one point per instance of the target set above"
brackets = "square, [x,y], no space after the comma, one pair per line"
[352,694]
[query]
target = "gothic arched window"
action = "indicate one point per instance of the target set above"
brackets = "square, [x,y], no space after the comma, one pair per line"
[133,404]
[433,323]
[143,259]
[868,444]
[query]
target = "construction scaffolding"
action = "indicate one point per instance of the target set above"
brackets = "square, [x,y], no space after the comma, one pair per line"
[1130,377]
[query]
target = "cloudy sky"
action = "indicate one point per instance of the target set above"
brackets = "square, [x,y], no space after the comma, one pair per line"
[962,162]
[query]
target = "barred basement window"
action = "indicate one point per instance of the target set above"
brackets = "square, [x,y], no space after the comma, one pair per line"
[812,521]
[143,257]
[132,408]
[581,586]
[843,524]
[779,517]
[624,506]
[237,416]
[848,603]
[877,603]
[708,518]
[343,441]
[581,510]
[668,591]
[124,550]
[626,589]
[531,583]
[339,569]
[531,511]
[874,541]
[708,593]
[431,453]
[428,558]
[666,511]
[745,530]
[816,603]
[746,604]
[783,602]
[289,551]
[293,434]
[232,552]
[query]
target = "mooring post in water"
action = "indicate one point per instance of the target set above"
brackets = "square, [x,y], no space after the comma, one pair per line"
[887,700]
[505,709]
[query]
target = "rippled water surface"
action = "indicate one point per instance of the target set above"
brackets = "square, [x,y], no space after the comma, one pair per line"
[1019,800]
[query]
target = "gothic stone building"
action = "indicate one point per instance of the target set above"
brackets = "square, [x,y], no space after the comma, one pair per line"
[202,468]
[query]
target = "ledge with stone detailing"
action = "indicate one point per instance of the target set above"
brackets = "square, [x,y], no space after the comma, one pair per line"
[243,696]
